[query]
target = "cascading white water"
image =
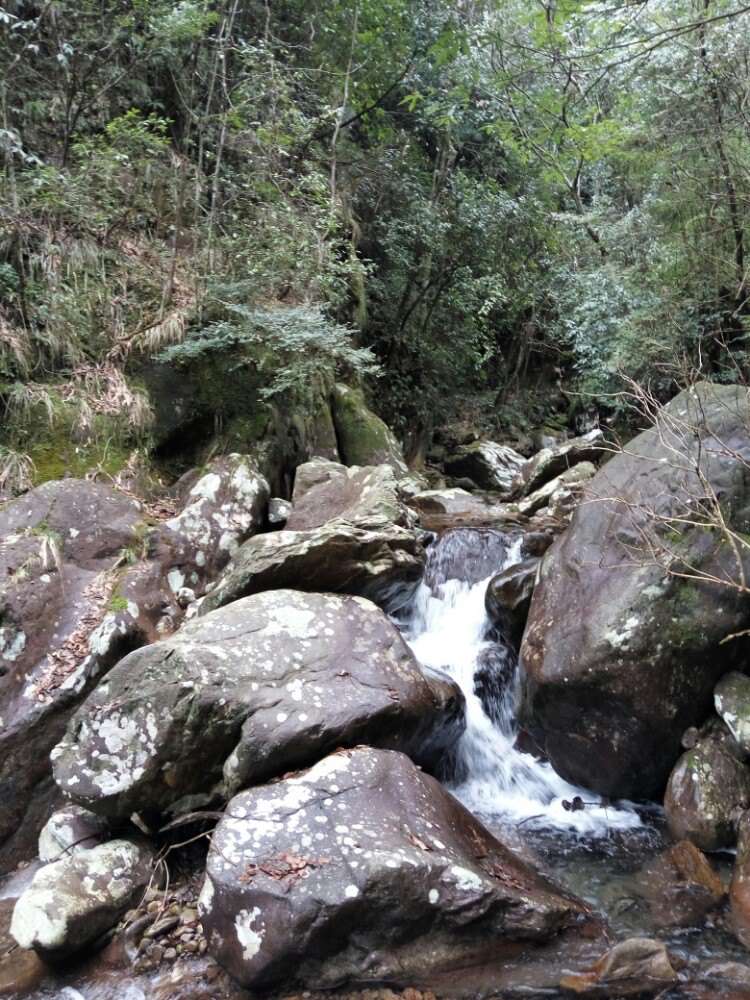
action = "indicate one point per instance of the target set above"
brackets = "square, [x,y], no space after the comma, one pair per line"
[448,630]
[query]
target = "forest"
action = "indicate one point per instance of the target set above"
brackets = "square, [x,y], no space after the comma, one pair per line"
[374,499]
[490,212]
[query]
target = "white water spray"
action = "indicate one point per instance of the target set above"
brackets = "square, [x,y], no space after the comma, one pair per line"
[448,631]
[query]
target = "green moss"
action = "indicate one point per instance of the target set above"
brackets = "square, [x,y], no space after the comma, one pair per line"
[59,456]
[117,601]
[363,437]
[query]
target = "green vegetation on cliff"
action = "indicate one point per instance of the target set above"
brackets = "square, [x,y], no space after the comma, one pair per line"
[476,199]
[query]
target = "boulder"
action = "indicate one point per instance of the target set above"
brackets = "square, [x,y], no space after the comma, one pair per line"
[508,597]
[364,869]
[636,967]
[551,462]
[620,656]
[739,886]
[490,465]
[69,831]
[86,579]
[706,792]
[732,702]
[71,903]
[409,486]
[555,488]
[348,535]
[313,473]
[226,505]
[265,685]
[680,886]
[363,438]
[728,972]
[536,543]
[278,513]
[448,501]
[58,633]
[21,970]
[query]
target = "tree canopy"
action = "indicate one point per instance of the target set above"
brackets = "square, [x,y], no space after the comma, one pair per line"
[456,202]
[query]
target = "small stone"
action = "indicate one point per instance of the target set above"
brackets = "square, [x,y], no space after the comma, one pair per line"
[170,954]
[153,906]
[156,953]
[162,926]
[191,946]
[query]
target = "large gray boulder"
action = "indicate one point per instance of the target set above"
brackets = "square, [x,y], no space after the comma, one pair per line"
[73,902]
[318,470]
[508,597]
[571,480]
[58,634]
[268,684]
[732,702]
[490,465]
[350,534]
[622,651]
[364,869]
[557,460]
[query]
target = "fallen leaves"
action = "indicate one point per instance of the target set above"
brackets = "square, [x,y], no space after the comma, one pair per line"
[283,867]
[65,660]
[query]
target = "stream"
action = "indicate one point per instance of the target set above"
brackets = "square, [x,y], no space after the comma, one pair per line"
[449,631]
[603,852]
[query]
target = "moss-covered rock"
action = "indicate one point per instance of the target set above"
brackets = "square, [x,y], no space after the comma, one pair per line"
[363,438]
[706,793]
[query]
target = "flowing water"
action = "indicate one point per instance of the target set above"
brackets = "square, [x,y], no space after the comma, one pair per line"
[602,853]
[449,631]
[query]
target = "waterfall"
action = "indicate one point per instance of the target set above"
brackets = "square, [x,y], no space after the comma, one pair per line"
[448,630]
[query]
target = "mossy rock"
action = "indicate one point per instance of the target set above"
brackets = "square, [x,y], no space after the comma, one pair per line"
[707,791]
[363,438]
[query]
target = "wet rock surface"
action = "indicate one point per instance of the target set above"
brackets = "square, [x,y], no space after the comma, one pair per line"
[680,886]
[347,535]
[739,887]
[364,869]
[508,597]
[267,684]
[636,967]
[619,657]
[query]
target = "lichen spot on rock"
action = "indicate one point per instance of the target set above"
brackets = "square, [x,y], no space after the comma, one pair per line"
[250,939]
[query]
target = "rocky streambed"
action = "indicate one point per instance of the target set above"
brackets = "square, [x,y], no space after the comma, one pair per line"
[385,739]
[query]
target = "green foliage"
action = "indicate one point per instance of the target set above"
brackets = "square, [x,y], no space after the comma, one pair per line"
[477,197]
[297,350]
